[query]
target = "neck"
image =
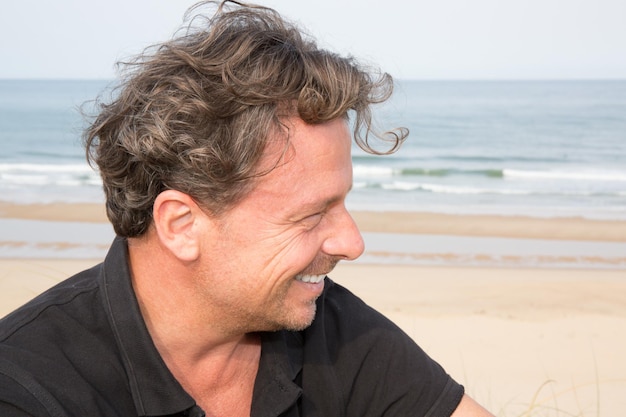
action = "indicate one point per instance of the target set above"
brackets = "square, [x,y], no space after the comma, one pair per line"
[173,303]
[214,365]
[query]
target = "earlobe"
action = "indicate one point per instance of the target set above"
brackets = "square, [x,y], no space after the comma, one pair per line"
[175,215]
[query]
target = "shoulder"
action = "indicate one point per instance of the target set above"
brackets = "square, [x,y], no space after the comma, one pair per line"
[70,296]
[45,343]
[356,338]
[375,365]
[349,325]
[342,312]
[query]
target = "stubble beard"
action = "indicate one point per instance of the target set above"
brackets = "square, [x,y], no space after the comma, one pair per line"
[287,320]
[279,314]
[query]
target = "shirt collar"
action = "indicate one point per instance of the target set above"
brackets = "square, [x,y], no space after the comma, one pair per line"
[154,389]
[276,388]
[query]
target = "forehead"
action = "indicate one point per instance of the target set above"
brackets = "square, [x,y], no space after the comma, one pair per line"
[316,164]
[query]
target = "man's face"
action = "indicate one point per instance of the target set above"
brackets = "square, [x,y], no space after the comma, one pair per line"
[263,266]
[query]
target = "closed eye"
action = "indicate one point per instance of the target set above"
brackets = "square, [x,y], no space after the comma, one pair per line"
[312,220]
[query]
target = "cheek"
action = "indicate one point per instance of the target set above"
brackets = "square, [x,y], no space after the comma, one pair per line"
[265,251]
[292,255]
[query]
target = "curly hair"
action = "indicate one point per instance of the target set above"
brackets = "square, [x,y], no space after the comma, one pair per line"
[195,114]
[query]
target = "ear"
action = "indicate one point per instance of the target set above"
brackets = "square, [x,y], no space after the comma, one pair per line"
[175,217]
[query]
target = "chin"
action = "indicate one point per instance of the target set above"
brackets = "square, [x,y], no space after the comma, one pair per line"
[298,321]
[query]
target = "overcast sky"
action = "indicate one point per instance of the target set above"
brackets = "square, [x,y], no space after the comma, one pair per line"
[411,39]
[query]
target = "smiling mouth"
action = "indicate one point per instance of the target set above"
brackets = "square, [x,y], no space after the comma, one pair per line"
[311,279]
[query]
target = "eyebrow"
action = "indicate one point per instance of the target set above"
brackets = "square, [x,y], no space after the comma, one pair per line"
[317,206]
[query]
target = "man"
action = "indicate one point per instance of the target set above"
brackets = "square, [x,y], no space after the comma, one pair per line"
[225,158]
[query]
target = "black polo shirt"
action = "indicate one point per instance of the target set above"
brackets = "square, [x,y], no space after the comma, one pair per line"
[82,349]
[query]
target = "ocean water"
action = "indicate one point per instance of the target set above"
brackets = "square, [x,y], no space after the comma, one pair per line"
[41,157]
[546,149]
[535,148]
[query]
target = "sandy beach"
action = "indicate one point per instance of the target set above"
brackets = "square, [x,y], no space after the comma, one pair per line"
[525,341]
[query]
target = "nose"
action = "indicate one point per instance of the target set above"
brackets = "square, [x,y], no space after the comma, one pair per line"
[344,240]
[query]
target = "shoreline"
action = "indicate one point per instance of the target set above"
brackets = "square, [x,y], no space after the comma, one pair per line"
[386,222]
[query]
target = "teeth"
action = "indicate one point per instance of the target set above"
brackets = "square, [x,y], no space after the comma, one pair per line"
[314,279]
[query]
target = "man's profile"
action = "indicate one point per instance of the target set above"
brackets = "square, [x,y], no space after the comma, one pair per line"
[226,160]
